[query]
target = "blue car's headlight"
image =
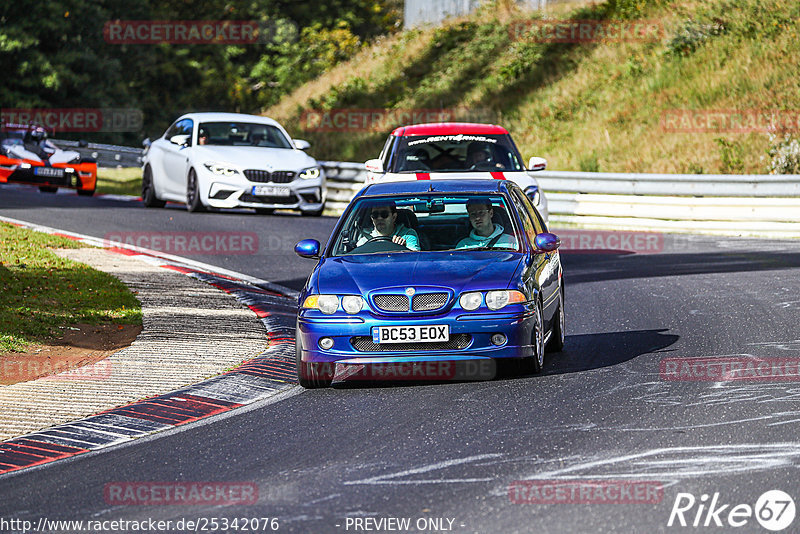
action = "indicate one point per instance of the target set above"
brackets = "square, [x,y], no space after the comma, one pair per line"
[496,300]
[471,301]
[352,304]
[312,172]
[220,169]
[327,304]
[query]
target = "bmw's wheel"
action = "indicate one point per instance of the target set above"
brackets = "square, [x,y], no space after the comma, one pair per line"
[312,375]
[85,192]
[149,197]
[558,337]
[193,202]
[47,189]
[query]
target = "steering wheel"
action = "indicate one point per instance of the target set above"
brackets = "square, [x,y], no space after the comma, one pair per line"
[381,243]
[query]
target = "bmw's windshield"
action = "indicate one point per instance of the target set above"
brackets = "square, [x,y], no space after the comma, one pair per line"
[241,134]
[428,222]
[456,153]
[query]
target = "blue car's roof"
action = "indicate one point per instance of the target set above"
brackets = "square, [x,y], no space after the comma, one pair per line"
[437,186]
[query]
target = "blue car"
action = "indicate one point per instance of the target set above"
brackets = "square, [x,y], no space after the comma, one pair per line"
[428,273]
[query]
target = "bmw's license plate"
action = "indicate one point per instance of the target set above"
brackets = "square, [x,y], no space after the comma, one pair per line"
[410,334]
[271,191]
[49,172]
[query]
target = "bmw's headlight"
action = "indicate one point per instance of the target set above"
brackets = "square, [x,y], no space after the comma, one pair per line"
[470,301]
[325,303]
[220,169]
[496,300]
[352,304]
[312,172]
[533,194]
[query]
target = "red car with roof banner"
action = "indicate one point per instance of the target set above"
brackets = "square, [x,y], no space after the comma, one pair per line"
[28,157]
[456,150]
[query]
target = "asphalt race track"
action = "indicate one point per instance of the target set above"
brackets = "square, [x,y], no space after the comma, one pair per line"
[602,411]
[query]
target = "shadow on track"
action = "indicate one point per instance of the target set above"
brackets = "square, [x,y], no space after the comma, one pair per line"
[586,268]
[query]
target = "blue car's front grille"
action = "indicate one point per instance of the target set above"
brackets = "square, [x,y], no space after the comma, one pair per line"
[429,301]
[365,344]
[391,303]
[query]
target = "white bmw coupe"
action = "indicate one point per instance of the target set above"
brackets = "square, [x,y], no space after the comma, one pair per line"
[231,160]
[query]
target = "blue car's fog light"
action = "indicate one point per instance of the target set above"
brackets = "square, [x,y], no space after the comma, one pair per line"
[325,343]
[498,339]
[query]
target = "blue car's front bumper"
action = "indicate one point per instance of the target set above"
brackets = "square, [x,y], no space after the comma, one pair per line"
[351,336]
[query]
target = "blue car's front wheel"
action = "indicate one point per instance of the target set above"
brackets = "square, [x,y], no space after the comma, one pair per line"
[311,375]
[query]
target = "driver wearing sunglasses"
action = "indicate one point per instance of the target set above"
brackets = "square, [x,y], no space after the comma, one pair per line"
[384,220]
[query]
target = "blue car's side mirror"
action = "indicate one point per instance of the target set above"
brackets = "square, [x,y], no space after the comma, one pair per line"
[307,248]
[546,242]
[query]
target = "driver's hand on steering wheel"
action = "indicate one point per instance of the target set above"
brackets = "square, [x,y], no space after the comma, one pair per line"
[399,240]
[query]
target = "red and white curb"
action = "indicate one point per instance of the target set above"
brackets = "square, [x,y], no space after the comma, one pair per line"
[270,373]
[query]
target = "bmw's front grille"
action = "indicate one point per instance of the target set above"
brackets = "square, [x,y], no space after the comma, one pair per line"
[365,344]
[428,301]
[391,303]
[277,177]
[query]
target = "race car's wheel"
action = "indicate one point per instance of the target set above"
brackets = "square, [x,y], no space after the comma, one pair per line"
[312,375]
[193,202]
[149,197]
[86,192]
[47,189]
[558,337]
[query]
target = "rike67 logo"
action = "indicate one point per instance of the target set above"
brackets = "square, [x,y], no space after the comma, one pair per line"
[774,510]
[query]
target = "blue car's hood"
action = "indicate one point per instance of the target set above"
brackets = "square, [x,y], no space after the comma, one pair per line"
[461,271]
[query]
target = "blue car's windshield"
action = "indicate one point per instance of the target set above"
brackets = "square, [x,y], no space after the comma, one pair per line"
[427,222]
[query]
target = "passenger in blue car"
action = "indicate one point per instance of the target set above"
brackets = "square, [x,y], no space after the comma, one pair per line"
[384,219]
[485,233]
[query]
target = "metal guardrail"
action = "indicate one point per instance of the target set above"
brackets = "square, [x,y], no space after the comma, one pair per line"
[746,205]
[106,155]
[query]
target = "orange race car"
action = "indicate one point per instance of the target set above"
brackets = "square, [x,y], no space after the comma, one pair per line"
[28,157]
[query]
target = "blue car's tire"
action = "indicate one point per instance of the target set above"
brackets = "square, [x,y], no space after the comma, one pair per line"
[312,375]
[558,337]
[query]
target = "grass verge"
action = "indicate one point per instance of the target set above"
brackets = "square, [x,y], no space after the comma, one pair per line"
[41,293]
[119,181]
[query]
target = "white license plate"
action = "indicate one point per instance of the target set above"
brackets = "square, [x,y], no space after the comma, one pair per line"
[48,171]
[271,191]
[410,334]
